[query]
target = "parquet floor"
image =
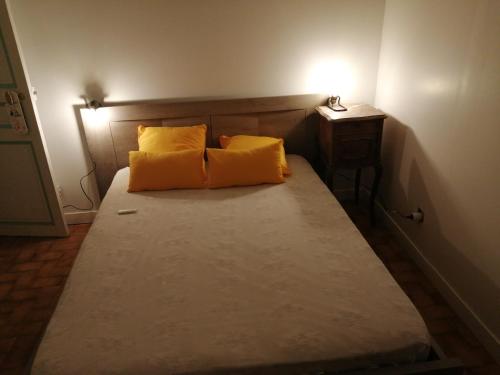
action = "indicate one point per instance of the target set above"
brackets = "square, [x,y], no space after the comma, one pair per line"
[33,272]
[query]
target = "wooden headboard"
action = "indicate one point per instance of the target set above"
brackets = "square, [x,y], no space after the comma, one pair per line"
[111,131]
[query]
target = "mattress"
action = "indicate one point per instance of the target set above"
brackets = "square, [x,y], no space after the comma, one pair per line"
[200,281]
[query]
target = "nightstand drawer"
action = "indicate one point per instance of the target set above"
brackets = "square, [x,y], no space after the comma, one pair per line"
[354,151]
[359,127]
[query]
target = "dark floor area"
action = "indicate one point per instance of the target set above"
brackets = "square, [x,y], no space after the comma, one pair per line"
[445,326]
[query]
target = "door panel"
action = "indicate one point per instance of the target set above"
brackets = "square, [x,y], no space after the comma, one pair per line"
[20,204]
[7,79]
[29,204]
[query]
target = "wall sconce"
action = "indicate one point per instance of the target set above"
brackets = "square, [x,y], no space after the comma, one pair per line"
[92,104]
[334,103]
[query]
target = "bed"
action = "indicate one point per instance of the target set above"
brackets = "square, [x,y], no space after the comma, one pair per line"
[263,279]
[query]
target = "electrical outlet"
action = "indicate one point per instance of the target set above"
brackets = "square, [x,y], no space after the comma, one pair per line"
[418,216]
[422,212]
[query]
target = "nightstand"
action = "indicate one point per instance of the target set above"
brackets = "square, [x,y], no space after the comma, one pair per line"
[352,140]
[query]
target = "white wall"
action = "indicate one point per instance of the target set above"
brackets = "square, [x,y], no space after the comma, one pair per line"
[439,79]
[135,50]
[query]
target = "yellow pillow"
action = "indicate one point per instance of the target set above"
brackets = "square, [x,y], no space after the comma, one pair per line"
[167,170]
[164,139]
[244,167]
[244,142]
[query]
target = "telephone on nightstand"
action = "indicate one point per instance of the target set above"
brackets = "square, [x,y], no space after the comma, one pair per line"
[334,103]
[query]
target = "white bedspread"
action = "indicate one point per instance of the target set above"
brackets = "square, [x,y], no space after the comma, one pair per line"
[206,279]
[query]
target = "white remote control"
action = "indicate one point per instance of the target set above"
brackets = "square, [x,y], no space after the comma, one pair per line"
[127,211]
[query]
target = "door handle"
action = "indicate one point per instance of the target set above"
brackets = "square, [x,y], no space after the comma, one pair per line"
[8,98]
[15,112]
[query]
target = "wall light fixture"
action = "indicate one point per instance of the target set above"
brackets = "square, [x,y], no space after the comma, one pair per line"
[92,104]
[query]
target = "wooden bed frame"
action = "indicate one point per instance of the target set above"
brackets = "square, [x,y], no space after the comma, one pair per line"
[111,132]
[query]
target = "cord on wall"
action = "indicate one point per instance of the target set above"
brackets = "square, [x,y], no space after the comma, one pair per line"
[84,192]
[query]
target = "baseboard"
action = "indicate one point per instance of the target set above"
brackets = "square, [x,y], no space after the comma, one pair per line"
[490,341]
[79,217]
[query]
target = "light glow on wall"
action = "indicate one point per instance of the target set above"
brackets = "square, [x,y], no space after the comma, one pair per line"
[331,77]
[95,117]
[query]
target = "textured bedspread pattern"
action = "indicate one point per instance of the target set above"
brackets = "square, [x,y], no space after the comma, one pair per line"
[200,280]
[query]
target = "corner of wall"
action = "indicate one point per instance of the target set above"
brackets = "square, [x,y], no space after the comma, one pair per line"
[379,58]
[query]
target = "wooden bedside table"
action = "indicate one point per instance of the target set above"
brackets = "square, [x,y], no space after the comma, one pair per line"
[352,140]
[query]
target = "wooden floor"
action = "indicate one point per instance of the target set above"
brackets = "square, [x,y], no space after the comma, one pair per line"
[33,272]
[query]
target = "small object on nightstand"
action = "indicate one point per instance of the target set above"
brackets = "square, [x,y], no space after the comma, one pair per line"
[334,103]
[352,140]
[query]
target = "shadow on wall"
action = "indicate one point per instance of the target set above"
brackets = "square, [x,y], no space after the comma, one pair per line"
[474,287]
[94,91]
